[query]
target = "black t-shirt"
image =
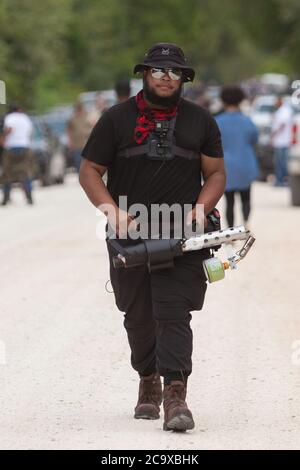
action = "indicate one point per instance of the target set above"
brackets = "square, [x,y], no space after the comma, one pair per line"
[149,181]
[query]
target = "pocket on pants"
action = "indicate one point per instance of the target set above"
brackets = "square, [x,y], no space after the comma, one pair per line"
[127,283]
[183,287]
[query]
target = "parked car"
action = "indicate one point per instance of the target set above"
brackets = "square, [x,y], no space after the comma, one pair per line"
[55,123]
[262,111]
[56,119]
[40,150]
[48,153]
[88,98]
[275,83]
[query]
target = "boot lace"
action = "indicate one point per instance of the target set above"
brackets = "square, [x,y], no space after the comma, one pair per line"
[176,397]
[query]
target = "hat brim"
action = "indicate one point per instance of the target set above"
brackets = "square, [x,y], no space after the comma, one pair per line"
[188,72]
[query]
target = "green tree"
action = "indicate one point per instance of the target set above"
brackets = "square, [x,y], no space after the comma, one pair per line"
[51,50]
[32,44]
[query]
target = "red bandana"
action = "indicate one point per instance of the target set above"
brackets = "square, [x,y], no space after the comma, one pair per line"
[147,116]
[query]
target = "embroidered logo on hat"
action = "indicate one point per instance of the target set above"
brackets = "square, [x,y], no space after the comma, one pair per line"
[166,55]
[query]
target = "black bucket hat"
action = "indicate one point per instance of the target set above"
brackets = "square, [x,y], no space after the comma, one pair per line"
[166,55]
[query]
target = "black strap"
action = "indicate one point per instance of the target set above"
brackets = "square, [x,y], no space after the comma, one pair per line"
[133,151]
[176,150]
[186,153]
[143,149]
[160,254]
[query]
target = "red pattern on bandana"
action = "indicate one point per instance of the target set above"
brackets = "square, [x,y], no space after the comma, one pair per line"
[146,117]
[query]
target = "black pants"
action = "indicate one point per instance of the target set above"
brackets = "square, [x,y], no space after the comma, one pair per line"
[245,199]
[157,312]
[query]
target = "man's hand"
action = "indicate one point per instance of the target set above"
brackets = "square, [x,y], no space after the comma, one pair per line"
[90,178]
[198,216]
[121,222]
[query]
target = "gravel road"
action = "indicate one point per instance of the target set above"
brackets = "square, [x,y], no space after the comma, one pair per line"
[66,380]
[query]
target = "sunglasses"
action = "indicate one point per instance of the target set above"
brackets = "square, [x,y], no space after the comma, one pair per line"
[174,74]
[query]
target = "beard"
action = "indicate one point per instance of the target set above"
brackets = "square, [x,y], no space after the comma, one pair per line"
[165,101]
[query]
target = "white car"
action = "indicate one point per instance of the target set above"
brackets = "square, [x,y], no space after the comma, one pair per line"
[275,82]
[88,98]
[261,113]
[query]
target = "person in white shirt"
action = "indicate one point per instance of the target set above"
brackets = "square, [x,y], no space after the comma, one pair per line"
[281,140]
[17,162]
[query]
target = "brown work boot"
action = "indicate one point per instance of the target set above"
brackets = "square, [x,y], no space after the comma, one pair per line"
[177,415]
[150,397]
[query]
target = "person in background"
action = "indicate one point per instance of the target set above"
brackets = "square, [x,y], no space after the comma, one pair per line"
[197,94]
[17,161]
[239,135]
[123,90]
[281,140]
[99,108]
[78,130]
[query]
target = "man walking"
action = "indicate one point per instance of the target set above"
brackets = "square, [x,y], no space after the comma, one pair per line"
[122,89]
[17,160]
[281,140]
[78,130]
[157,304]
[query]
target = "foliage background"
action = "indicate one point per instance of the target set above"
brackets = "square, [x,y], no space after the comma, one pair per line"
[51,50]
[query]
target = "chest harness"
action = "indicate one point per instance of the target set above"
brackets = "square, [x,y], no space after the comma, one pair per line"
[160,144]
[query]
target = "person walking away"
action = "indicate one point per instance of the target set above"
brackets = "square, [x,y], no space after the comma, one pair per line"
[239,135]
[17,164]
[100,107]
[157,305]
[281,140]
[123,90]
[78,130]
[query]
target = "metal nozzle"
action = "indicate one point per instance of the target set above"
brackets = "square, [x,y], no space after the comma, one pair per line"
[246,247]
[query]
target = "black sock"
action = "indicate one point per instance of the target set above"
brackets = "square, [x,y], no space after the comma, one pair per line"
[148,371]
[176,375]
